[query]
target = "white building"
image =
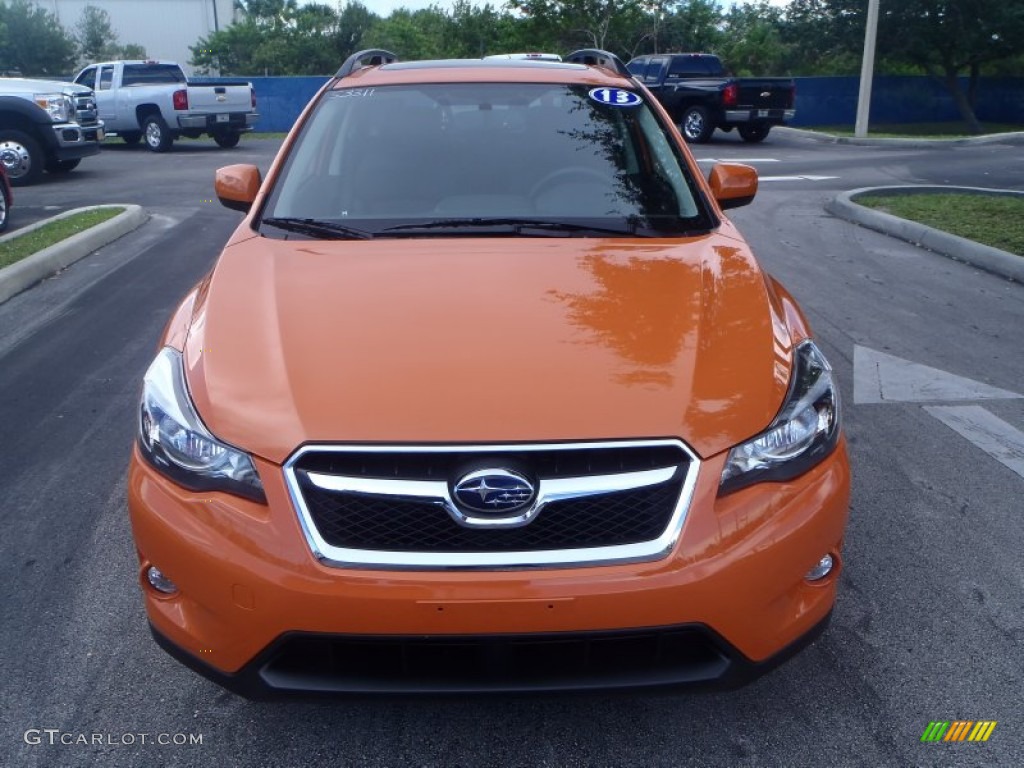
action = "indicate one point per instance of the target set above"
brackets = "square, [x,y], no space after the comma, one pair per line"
[165,28]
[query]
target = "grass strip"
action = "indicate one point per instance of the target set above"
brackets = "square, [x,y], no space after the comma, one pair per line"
[951,130]
[20,246]
[987,219]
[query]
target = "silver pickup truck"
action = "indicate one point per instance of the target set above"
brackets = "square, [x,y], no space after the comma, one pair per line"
[45,125]
[154,100]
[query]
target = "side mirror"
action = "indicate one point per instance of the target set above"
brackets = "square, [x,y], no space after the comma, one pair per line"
[733,184]
[237,185]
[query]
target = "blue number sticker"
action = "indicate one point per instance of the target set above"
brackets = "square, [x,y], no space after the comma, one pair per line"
[616,97]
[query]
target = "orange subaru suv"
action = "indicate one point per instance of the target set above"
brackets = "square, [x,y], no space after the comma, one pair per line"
[485,393]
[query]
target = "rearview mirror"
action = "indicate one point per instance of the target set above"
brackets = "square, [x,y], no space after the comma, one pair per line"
[733,184]
[237,185]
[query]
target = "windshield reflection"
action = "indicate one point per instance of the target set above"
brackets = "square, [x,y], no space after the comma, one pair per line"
[411,155]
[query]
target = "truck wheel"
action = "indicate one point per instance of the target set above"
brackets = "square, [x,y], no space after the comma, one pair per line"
[5,208]
[158,135]
[227,140]
[131,138]
[22,158]
[697,126]
[62,166]
[754,133]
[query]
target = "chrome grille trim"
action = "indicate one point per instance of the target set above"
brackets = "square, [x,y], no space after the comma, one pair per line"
[341,557]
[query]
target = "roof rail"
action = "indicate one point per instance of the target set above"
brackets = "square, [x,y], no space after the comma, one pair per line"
[371,57]
[595,57]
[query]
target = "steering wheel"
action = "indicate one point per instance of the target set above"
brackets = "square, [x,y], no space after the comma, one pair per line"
[565,176]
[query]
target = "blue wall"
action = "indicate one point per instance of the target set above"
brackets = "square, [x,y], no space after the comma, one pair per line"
[833,100]
[819,100]
[280,100]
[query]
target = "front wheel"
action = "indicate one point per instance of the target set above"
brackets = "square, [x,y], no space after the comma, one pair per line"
[62,166]
[696,125]
[157,134]
[754,133]
[227,140]
[131,138]
[22,158]
[5,208]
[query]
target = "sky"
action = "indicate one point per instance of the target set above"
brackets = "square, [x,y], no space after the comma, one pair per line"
[385,7]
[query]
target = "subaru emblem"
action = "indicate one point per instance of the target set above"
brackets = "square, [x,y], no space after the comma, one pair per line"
[494,490]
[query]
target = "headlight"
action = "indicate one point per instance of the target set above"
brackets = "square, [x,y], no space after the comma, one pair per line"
[805,431]
[57,105]
[174,440]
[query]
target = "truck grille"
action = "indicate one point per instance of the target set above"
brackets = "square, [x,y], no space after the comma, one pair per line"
[398,507]
[85,109]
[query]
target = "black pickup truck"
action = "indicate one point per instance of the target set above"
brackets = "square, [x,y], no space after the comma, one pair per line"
[699,94]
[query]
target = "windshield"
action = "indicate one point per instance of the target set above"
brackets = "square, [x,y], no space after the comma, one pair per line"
[437,159]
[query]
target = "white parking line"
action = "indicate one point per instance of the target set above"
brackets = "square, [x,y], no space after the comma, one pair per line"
[1002,441]
[796,178]
[737,160]
[882,378]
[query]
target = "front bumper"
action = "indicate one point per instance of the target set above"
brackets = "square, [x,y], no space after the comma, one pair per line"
[691,656]
[257,613]
[73,141]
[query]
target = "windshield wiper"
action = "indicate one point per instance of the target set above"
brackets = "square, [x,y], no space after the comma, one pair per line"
[317,228]
[517,225]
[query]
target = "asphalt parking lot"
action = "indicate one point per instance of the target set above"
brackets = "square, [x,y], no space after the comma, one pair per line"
[930,620]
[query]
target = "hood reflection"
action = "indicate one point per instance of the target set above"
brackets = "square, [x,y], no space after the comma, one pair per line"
[643,309]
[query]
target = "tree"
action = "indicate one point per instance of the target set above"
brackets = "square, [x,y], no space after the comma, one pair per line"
[693,27]
[354,21]
[281,37]
[33,41]
[824,37]
[619,26]
[752,39]
[950,38]
[97,40]
[133,51]
[407,33]
[231,50]
[946,39]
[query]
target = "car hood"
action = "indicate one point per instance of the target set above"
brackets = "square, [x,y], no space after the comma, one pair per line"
[486,340]
[28,85]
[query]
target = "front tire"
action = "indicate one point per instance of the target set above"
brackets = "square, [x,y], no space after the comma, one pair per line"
[62,166]
[227,140]
[5,208]
[696,126]
[22,158]
[131,138]
[754,134]
[157,134]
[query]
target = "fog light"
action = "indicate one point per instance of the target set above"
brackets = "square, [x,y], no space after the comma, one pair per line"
[159,582]
[821,570]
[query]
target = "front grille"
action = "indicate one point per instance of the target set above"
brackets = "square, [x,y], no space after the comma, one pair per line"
[440,664]
[398,506]
[364,522]
[85,109]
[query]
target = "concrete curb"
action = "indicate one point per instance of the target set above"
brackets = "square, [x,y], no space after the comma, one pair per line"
[992,138]
[984,257]
[23,274]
